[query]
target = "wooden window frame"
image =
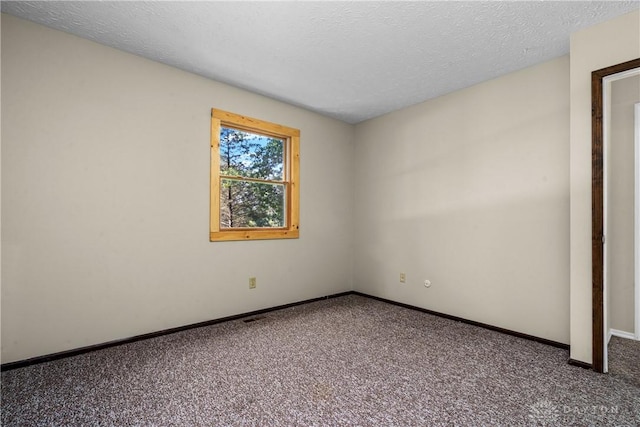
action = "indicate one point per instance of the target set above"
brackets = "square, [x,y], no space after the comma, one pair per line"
[291,178]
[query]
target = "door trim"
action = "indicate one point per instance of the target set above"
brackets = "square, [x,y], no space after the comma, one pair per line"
[597,207]
[636,144]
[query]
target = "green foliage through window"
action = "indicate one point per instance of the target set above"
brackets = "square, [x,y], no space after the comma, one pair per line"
[253,195]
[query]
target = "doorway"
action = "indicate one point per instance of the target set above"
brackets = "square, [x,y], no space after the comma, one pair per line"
[602,218]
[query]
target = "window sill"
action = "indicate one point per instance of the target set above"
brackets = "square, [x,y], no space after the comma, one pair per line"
[231,235]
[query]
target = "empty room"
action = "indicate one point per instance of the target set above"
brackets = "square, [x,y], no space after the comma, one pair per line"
[320,213]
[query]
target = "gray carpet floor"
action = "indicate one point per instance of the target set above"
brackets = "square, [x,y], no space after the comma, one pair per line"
[347,361]
[624,359]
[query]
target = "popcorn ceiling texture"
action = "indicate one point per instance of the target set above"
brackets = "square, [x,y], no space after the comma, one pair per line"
[347,361]
[348,60]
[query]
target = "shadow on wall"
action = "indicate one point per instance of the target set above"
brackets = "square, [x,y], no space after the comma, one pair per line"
[484,216]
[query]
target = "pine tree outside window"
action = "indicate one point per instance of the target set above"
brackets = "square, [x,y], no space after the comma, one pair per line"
[254,179]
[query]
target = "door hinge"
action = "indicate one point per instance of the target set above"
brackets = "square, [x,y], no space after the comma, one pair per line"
[603,239]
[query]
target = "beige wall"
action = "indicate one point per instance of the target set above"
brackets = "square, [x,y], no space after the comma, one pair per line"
[471,191]
[625,93]
[603,45]
[105,199]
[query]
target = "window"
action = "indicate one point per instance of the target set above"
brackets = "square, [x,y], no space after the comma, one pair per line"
[254,179]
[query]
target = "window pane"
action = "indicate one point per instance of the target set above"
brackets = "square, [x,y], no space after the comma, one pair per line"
[251,155]
[245,204]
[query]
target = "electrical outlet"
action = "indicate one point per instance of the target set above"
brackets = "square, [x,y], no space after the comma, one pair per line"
[403,278]
[252,282]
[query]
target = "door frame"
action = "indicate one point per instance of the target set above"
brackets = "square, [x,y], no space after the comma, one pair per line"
[636,144]
[597,208]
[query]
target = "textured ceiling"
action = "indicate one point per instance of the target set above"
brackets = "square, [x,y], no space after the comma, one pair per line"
[347,60]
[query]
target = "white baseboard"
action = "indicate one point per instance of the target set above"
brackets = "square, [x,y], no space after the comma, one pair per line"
[621,334]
